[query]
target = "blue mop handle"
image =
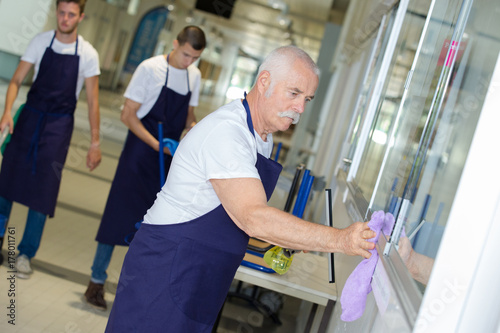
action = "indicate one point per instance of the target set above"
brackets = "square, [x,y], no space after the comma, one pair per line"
[301,193]
[305,196]
[162,162]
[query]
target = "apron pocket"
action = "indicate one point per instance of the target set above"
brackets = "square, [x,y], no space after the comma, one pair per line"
[201,276]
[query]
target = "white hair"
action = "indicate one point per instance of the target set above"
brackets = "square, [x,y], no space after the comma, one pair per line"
[280,61]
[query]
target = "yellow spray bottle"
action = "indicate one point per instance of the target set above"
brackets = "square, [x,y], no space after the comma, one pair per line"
[279,259]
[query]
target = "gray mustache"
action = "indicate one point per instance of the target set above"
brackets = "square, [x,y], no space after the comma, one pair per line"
[291,114]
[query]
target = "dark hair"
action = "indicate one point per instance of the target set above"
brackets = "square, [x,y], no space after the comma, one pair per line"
[194,36]
[80,3]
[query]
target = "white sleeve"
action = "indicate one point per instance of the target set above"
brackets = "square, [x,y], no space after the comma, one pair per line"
[195,93]
[34,51]
[229,152]
[137,89]
[91,66]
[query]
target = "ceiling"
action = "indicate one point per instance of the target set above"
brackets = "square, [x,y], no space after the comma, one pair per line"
[259,26]
[266,24]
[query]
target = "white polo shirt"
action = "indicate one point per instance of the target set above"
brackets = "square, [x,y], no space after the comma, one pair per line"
[220,146]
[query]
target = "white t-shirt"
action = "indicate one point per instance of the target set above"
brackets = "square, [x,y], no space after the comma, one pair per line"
[220,146]
[149,78]
[89,59]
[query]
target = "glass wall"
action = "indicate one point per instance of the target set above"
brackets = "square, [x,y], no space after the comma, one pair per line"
[390,99]
[458,102]
[418,138]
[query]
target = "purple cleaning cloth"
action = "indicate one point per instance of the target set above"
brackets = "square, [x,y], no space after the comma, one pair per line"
[358,284]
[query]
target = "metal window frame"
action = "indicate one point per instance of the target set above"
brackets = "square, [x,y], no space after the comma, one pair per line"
[377,91]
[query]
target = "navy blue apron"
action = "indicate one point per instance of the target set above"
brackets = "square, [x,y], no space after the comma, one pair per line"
[137,178]
[34,158]
[175,278]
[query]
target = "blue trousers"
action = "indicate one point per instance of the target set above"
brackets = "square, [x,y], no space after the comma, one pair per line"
[101,262]
[32,232]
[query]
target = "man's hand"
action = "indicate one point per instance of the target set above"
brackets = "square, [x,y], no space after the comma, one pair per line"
[354,239]
[93,157]
[405,249]
[7,120]
[167,151]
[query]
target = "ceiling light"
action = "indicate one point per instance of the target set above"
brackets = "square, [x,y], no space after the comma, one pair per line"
[190,17]
[283,20]
[170,4]
[133,5]
[277,4]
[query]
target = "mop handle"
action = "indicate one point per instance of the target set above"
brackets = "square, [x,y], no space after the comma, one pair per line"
[291,193]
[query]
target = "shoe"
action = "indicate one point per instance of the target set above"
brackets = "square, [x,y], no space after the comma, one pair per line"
[94,295]
[23,267]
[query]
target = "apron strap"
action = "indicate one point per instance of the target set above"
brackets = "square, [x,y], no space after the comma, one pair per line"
[249,117]
[76,44]
[187,75]
[52,41]
[166,80]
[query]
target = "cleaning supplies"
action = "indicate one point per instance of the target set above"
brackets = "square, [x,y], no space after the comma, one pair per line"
[279,259]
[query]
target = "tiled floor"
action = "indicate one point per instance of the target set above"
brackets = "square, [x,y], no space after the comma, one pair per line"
[51,300]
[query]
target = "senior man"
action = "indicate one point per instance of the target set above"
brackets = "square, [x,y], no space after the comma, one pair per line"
[182,260]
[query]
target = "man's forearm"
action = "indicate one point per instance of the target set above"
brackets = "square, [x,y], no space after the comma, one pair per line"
[284,229]
[14,85]
[420,267]
[92,86]
[94,121]
[190,119]
[10,97]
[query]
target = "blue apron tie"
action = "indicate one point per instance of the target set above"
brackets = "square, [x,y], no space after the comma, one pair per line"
[33,149]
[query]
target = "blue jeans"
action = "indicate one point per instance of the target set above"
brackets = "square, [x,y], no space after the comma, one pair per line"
[32,232]
[101,262]
[5,208]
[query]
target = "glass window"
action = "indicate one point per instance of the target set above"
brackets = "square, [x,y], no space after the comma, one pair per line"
[391,96]
[374,64]
[423,126]
[411,115]
[462,94]
[430,132]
